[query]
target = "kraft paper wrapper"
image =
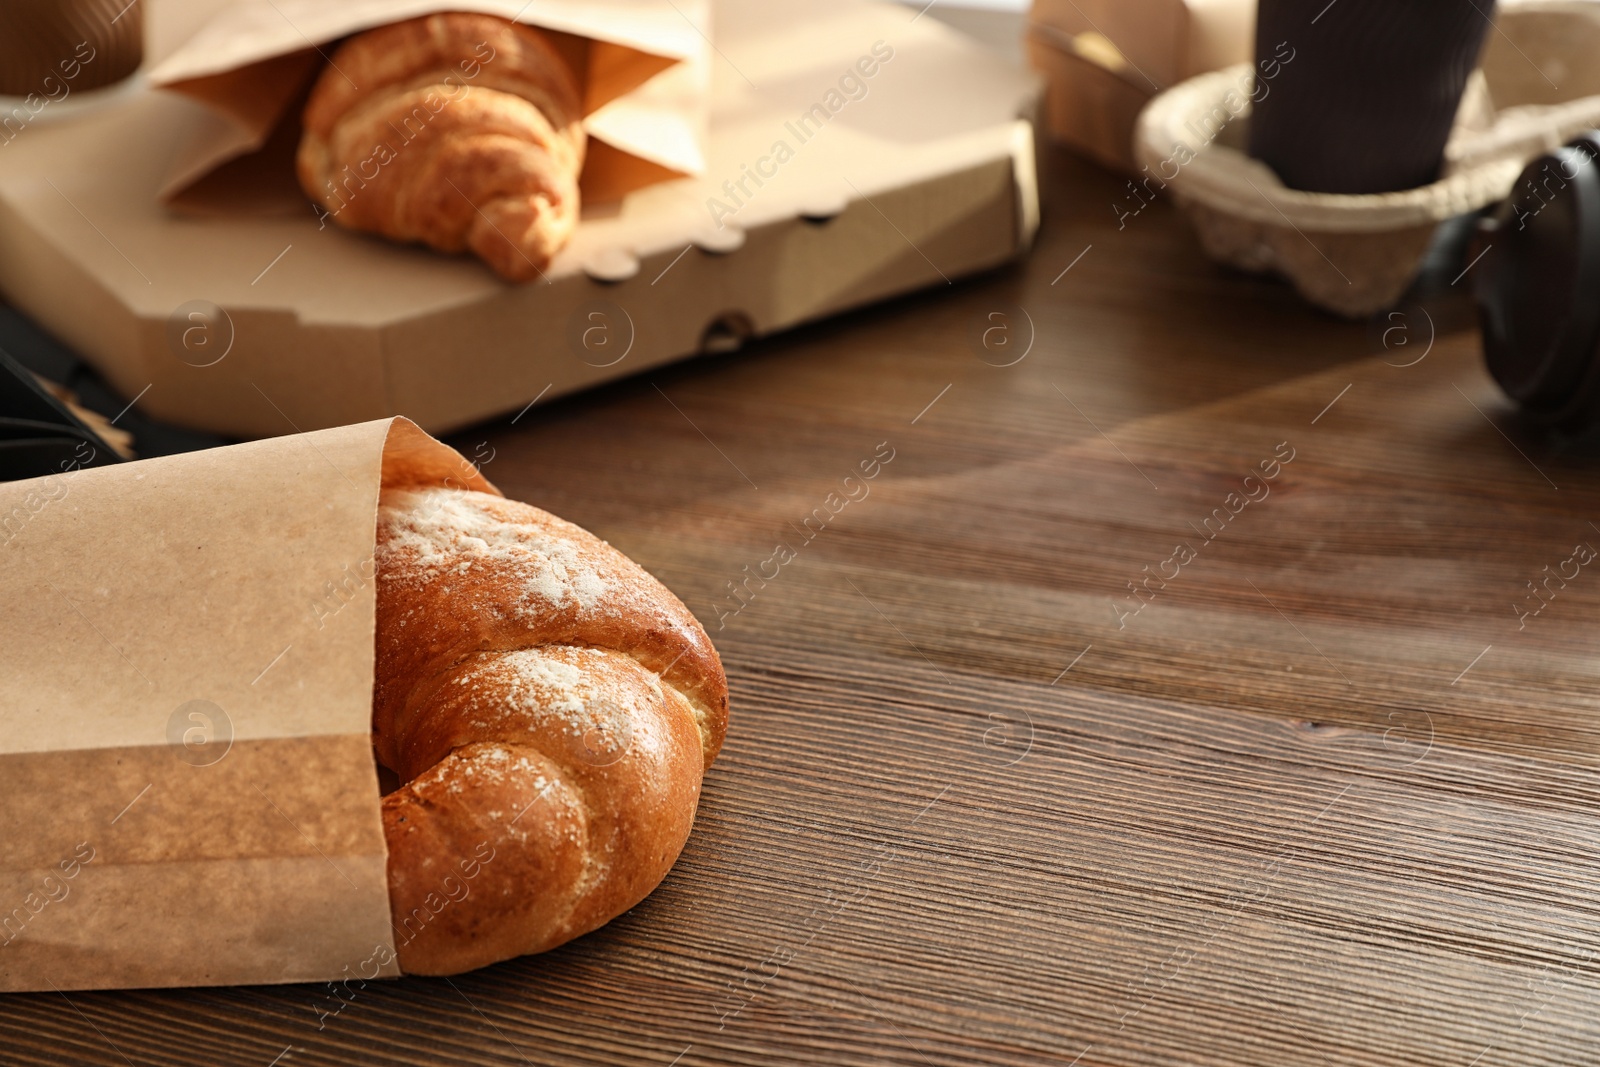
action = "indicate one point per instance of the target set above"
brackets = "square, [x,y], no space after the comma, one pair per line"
[645,80]
[128,591]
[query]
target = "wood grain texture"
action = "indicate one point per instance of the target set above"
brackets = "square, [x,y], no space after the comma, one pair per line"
[1323,800]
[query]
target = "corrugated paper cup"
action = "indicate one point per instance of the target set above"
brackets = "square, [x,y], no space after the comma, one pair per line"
[52,47]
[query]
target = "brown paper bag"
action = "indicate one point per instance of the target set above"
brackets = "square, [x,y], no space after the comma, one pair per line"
[187,781]
[641,63]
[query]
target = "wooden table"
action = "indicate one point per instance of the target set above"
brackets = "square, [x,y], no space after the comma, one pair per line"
[1318,793]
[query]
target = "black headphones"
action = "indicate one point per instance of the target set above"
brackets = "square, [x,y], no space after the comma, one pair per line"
[1538,288]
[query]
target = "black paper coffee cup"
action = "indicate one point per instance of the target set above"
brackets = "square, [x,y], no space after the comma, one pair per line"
[1367,102]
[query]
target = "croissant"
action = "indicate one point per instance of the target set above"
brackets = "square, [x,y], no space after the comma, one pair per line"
[460,131]
[550,709]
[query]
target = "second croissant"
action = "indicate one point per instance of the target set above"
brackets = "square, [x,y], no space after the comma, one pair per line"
[459,131]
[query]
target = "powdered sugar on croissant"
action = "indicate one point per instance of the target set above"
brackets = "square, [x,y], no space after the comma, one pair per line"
[550,709]
[461,131]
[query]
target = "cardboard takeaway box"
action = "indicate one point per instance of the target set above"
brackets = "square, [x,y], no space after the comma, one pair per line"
[824,187]
[1104,60]
[186,769]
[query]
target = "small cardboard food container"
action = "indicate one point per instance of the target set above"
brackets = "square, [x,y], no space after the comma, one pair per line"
[186,767]
[1103,60]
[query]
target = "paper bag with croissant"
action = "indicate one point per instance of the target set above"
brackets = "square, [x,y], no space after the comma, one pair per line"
[478,129]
